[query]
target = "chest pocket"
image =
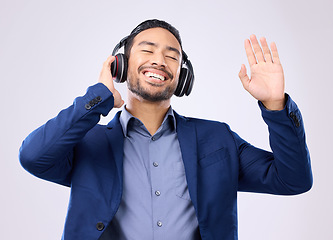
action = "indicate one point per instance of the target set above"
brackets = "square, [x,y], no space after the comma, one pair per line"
[180,181]
[213,158]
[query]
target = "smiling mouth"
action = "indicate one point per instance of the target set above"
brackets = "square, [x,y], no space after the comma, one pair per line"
[154,75]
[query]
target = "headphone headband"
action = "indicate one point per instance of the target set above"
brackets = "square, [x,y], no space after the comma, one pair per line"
[119,45]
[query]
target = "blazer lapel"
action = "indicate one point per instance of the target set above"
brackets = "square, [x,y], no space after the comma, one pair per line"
[186,133]
[116,139]
[115,136]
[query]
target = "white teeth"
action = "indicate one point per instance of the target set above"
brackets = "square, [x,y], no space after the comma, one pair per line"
[155,75]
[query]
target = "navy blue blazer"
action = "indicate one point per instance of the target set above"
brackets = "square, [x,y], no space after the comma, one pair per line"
[73,150]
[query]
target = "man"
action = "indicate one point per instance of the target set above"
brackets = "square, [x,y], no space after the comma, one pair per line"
[153,174]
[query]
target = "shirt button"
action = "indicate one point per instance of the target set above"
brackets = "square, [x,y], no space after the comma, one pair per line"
[157,193]
[159,223]
[155,164]
[153,138]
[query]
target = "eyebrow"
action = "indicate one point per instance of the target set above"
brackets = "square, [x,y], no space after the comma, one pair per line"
[156,45]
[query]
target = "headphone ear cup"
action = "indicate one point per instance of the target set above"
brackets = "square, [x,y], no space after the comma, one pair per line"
[188,83]
[185,83]
[179,90]
[119,68]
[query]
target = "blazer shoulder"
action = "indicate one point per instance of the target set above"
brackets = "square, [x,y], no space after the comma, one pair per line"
[208,124]
[207,128]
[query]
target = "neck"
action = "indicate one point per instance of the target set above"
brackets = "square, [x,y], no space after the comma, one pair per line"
[151,114]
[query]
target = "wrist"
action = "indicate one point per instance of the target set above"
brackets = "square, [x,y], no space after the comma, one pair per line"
[275,105]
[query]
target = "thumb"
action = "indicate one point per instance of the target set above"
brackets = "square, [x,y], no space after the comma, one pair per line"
[244,77]
[118,101]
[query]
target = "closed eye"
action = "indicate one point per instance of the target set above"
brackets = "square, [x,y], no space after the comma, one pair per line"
[147,51]
[173,58]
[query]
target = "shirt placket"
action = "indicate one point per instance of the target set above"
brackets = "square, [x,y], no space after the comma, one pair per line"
[157,192]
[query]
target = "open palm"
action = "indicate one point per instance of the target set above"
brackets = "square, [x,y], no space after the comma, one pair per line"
[267,80]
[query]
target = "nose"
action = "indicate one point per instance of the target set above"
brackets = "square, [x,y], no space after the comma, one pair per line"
[158,60]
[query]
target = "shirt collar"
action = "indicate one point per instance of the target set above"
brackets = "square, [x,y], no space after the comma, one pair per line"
[126,117]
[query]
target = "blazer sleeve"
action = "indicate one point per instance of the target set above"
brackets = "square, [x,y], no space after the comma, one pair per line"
[287,169]
[47,152]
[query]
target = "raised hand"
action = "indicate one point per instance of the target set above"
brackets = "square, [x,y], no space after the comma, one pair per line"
[105,77]
[267,80]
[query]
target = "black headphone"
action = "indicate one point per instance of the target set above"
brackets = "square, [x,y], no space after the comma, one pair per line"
[119,70]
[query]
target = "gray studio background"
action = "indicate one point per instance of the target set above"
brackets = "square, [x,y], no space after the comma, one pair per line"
[51,51]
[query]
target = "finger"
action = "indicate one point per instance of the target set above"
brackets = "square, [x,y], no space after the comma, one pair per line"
[249,52]
[257,49]
[105,71]
[108,61]
[265,48]
[244,77]
[275,54]
[105,76]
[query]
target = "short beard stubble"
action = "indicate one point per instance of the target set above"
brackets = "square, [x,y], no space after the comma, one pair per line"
[137,89]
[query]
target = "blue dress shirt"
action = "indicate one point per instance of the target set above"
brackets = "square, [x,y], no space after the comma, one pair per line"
[155,202]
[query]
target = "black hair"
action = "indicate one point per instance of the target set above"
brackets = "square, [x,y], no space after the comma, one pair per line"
[152,23]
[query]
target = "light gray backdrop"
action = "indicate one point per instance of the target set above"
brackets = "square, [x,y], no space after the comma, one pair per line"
[51,51]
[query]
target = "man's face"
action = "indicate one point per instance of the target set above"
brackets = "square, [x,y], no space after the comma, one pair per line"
[154,65]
